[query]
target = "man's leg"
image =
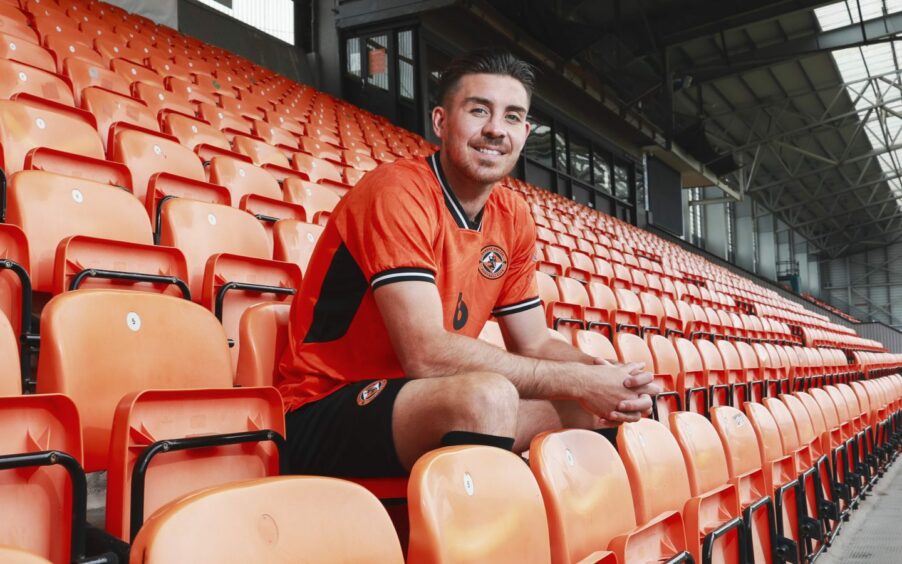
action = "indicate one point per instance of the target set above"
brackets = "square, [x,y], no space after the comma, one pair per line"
[427,409]
[538,416]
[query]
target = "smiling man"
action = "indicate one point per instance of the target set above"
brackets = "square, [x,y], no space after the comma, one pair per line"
[383,363]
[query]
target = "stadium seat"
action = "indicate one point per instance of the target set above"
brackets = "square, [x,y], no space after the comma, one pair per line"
[240,177]
[23,51]
[99,230]
[99,345]
[18,78]
[286,519]
[294,241]
[314,197]
[263,334]
[582,479]
[111,108]
[781,476]
[660,484]
[42,486]
[744,465]
[10,372]
[229,264]
[83,74]
[220,425]
[29,122]
[475,504]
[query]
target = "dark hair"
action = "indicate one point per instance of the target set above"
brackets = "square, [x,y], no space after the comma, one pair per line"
[486,61]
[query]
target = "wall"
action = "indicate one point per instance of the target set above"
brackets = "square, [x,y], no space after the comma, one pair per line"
[868,285]
[223,31]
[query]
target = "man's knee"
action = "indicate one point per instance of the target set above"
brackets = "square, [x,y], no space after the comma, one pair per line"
[485,402]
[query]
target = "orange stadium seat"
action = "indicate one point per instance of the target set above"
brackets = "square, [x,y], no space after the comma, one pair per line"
[331,521]
[17,49]
[581,478]
[42,484]
[111,108]
[294,241]
[661,485]
[475,504]
[17,78]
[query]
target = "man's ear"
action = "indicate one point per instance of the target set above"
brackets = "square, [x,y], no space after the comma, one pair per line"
[438,121]
[528,127]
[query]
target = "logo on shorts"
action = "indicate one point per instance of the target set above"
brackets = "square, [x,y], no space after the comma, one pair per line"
[369,393]
[493,263]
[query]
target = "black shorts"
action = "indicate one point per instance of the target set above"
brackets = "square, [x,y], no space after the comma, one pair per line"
[347,433]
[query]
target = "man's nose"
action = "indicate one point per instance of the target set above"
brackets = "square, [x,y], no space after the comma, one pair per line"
[492,128]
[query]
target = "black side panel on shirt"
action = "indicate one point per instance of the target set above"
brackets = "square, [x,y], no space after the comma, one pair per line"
[339,298]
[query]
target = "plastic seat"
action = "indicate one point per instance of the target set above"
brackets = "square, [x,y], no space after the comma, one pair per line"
[146,154]
[668,374]
[294,241]
[111,107]
[158,99]
[15,283]
[97,227]
[250,418]
[222,119]
[228,256]
[177,80]
[744,466]
[242,178]
[263,334]
[29,122]
[23,51]
[316,169]
[630,317]
[735,372]
[17,78]
[781,476]
[10,373]
[43,498]
[475,504]
[661,486]
[595,344]
[83,74]
[259,151]
[329,520]
[314,197]
[193,133]
[582,478]
[134,72]
[718,380]
[67,47]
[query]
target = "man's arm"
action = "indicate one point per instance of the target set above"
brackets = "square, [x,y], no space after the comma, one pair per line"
[525,334]
[412,313]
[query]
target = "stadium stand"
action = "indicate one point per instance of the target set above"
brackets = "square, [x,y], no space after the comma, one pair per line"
[161,199]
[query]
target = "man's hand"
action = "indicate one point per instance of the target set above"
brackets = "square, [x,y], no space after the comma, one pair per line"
[640,382]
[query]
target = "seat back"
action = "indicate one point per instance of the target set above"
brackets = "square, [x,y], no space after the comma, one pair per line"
[16,78]
[602,296]
[241,177]
[113,107]
[28,122]
[804,426]
[78,207]
[10,376]
[632,348]
[655,466]
[202,229]
[99,345]
[314,197]
[192,132]
[145,155]
[738,438]
[770,442]
[703,452]
[475,504]
[572,291]
[145,418]
[37,501]
[263,334]
[285,519]
[586,491]
[294,241]
[595,344]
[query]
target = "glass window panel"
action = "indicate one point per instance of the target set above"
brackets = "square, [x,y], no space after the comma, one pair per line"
[405,45]
[538,144]
[580,165]
[560,149]
[405,79]
[601,172]
[621,183]
[377,59]
[353,62]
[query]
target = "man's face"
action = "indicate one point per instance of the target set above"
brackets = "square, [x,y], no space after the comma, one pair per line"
[483,126]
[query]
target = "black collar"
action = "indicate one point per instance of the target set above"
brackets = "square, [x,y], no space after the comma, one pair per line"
[451,201]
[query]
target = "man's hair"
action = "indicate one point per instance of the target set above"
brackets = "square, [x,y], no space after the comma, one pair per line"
[486,61]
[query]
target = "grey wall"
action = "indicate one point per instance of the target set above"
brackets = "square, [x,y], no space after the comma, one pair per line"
[867,285]
[223,31]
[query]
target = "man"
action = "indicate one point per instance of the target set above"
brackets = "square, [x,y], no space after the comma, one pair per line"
[383,363]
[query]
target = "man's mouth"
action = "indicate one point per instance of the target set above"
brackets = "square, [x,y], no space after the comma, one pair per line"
[489,151]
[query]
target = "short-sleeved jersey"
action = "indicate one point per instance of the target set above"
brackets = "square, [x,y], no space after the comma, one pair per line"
[402,222]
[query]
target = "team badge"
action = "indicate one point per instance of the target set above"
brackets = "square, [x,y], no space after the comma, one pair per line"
[369,393]
[493,262]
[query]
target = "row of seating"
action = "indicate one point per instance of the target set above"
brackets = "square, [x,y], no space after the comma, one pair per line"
[770,484]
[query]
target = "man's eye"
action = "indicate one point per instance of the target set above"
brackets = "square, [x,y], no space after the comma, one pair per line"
[514,118]
[478,111]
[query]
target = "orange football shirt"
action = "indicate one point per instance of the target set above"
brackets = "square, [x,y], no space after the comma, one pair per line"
[402,222]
